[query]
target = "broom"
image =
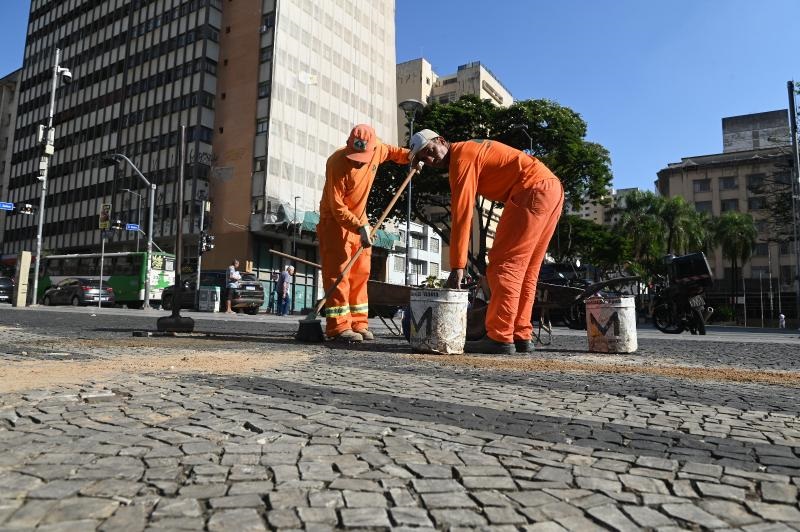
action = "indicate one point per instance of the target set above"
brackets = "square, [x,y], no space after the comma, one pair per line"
[311,327]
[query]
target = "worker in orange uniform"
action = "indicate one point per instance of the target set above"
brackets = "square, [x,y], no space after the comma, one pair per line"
[533,198]
[343,228]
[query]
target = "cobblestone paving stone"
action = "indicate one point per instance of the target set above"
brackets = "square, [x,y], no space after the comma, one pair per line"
[372,439]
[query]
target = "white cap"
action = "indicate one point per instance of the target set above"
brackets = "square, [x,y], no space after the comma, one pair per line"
[420,140]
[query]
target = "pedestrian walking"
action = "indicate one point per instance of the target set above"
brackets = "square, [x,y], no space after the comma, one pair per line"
[231,283]
[284,286]
[781,321]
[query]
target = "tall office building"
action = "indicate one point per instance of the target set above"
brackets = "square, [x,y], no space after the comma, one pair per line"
[9,88]
[268,89]
[417,80]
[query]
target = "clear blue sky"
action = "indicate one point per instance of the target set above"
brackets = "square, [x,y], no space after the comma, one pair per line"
[652,79]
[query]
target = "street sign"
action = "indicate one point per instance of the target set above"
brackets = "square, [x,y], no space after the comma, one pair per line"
[5,206]
[131,227]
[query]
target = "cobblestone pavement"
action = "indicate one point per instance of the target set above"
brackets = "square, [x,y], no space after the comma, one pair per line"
[372,438]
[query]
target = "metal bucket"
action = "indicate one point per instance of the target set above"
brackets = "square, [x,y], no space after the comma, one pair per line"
[611,324]
[438,320]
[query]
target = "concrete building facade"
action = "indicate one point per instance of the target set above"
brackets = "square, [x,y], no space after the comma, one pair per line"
[268,89]
[756,152]
[9,89]
[417,80]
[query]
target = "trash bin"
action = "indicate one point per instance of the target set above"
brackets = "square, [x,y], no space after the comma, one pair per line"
[611,324]
[208,299]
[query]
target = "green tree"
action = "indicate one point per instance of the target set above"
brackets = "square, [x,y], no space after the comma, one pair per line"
[736,234]
[579,238]
[686,230]
[558,139]
[636,217]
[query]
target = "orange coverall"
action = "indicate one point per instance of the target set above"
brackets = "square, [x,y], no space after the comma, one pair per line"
[342,212]
[533,198]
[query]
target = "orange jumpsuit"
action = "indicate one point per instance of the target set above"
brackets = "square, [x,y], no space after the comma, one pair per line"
[342,212]
[533,198]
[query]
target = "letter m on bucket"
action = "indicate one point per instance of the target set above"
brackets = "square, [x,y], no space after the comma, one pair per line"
[612,320]
[426,318]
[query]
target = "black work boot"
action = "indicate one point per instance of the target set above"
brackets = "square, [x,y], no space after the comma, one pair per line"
[488,346]
[524,346]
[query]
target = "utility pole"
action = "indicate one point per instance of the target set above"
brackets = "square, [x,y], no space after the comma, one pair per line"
[795,191]
[47,140]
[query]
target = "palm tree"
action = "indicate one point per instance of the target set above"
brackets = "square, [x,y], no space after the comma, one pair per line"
[684,226]
[635,214]
[736,234]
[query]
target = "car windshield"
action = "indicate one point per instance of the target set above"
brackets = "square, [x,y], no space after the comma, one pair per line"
[249,277]
[5,282]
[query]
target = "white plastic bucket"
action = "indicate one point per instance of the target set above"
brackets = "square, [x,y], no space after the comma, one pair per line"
[438,320]
[611,324]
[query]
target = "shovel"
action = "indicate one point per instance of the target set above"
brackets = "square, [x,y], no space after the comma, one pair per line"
[311,327]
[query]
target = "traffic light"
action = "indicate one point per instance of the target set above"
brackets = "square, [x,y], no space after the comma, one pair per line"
[206,242]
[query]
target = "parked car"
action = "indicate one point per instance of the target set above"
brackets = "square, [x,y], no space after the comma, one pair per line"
[248,298]
[6,289]
[78,291]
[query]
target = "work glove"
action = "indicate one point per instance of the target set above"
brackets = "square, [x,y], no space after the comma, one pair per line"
[363,232]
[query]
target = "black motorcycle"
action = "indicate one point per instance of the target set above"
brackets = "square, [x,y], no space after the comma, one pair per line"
[679,303]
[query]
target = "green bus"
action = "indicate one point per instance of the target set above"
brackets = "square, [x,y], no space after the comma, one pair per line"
[124,272]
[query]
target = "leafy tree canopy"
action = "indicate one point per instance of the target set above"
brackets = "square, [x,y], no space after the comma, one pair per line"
[557,137]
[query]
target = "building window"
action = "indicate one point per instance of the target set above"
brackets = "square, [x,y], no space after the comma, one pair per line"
[787,275]
[417,242]
[702,206]
[266,54]
[756,203]
[755,180]
[761,249]
[263,90]
[258,164]
[416,267]
[729,205]
[434,245]
[399,263]
[759,272]
[702,185]
[786,248]
[434,269]
[261,126]
[727,183]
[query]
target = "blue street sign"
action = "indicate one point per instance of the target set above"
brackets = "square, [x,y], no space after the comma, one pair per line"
[131,227]
[5,206]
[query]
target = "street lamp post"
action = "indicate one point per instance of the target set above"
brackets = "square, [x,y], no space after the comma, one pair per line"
[113,158]
[410,108]
[294,252]
[47,138]
[138,211]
